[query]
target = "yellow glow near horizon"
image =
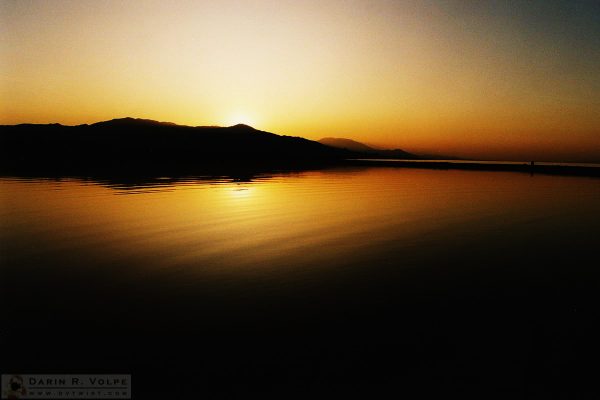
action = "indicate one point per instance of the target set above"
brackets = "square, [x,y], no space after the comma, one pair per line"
[492,80]
[240,118]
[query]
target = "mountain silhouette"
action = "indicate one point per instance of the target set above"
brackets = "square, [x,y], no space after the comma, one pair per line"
[367,151]
[136,149]
[347,144]
[132,142]
[130,122]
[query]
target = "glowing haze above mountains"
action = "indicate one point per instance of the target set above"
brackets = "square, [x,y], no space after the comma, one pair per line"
[480,79]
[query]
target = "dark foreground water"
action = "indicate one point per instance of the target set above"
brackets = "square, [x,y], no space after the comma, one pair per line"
[319,283]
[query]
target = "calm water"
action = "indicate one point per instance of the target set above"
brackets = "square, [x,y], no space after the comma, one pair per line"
[288,283]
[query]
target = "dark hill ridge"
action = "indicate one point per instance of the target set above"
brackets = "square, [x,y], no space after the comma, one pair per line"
[128,121]
[367,151]
[347,144]
[136,142]
[142,148]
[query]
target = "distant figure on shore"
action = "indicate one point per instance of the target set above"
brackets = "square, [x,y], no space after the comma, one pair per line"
[532,163]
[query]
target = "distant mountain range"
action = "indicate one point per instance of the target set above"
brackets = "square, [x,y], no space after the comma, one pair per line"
[367,151]
[135,142]
[136,150]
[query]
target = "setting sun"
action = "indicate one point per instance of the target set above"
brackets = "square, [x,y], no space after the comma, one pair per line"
[240,118]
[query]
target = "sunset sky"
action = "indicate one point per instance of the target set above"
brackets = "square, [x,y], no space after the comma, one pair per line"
[479,79]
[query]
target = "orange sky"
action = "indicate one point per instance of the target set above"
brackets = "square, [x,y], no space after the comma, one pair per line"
[495,80]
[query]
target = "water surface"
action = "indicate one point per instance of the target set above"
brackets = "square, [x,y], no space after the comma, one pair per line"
[351,277]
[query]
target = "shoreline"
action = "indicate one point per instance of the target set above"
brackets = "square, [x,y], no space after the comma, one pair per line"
[246,168]
[547,169]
